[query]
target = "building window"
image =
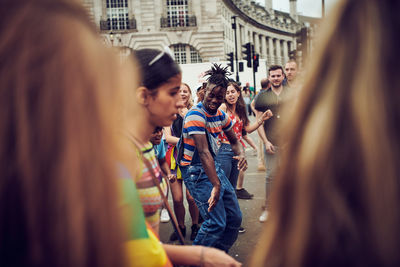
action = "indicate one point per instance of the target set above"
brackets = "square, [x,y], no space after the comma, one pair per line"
[117,14]
[180,53]
[177,13]
[194,55]
[185,54]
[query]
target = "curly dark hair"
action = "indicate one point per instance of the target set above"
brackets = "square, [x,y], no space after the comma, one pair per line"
[218,75]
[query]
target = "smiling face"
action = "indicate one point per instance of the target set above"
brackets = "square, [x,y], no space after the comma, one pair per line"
[164,103]
[232,95]
[276,78]
[213,97]
[185,94]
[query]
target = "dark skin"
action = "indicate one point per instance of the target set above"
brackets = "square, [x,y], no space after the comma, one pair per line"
[213,98]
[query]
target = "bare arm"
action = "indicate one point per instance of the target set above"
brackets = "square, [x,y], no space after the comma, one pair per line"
[261,117]
[199,256]
[173,140]
[250,141]
[207,161]
[165,168]
[237,149]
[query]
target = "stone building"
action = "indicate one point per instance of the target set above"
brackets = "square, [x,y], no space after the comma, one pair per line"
[198,30]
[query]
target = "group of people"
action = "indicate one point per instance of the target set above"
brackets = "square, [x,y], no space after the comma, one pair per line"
[84,170]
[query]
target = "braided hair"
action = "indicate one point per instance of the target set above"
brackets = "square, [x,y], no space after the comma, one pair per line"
[218,76]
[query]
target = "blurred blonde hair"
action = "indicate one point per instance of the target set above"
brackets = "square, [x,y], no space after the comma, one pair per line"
[59,89]
[336,197]
[190,100]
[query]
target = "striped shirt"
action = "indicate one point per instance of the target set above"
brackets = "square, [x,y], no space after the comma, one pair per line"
[196,122]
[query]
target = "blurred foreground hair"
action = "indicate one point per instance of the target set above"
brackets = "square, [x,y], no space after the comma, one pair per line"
[337,194]
[58,195]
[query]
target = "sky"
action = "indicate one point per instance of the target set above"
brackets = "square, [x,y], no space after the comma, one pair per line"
[310,8]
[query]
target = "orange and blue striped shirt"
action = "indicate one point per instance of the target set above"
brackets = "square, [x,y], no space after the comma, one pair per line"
[196,122]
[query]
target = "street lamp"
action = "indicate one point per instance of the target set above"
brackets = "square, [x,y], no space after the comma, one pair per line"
[323,8]
[233,20]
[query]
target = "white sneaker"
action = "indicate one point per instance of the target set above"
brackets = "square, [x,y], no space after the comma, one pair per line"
[164,216]
[264,216]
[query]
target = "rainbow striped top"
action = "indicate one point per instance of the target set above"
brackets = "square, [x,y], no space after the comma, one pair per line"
[196,121]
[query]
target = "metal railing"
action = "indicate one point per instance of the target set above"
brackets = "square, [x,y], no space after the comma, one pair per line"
[178,21]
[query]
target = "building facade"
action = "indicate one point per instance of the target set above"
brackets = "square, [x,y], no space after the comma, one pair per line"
[198,30]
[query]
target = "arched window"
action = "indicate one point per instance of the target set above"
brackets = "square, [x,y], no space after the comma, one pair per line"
[185,53]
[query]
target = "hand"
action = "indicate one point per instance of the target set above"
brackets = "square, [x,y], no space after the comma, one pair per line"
[269,147]
[171,178]
[213,200]
[266,115]
[214,257]
[242,162]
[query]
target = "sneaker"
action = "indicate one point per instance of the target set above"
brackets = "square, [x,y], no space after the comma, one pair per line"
[174,235]
[195,230]
[241,230]
[243,194]
[164,216]
[264,216]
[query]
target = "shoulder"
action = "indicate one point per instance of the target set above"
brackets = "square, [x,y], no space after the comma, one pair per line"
[223,107]
[195,114]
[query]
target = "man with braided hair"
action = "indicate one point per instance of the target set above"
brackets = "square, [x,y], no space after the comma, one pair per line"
[214,195]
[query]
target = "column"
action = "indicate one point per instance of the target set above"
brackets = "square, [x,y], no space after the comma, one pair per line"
[278,51]
[256,43]
[271,50]
[285,51]
[264,47]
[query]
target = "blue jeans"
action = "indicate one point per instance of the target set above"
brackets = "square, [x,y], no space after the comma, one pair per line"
[271,166]
[221,225]
[228,164]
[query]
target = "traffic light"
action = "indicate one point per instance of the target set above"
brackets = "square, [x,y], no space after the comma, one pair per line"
[247,54]
[256,62]
[230,59]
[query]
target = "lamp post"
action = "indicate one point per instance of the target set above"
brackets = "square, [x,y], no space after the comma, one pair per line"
[233,18]
[323,8]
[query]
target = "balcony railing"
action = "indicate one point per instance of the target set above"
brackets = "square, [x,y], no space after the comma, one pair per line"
[118,25]
[178,21]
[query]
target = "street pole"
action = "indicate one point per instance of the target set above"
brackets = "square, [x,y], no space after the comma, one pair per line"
[323,8]
[236,52]
[254,72]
